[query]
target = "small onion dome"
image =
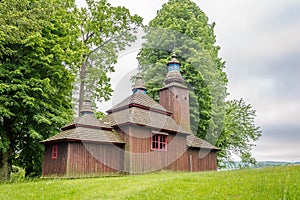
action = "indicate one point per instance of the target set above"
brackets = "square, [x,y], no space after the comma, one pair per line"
[139,86]
[174,74]
[87,107]
[174,64]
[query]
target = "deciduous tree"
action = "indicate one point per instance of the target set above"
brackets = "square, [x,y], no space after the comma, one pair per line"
[239,133]
[105,30]
[38,47]
[181,27]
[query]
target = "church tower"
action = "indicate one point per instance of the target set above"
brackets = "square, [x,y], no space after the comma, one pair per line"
[174,96]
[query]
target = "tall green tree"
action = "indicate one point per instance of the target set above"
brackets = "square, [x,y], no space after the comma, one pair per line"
[38,47]
[181,27]
[105,30]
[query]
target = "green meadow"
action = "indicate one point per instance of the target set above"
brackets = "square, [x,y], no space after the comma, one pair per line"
[264,183]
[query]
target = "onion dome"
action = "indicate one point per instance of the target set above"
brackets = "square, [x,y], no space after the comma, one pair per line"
[87,107]
[139,87]
[174,74]
[174,64]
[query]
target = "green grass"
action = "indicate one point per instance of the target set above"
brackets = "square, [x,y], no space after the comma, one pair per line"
[266,183]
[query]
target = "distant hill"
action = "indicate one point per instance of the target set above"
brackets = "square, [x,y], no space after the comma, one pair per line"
[239,165]
[272,163]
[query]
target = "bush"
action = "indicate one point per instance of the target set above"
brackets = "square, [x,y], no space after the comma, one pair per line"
[17,174]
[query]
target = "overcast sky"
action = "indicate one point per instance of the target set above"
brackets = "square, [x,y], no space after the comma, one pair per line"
[260,42]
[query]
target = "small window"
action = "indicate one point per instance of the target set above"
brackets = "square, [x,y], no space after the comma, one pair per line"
[159,142]
[54,152]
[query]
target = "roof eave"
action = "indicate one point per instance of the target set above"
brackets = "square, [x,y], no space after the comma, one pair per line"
[139,106]
[75,125]
[78,140]
[150,127]
[212,148]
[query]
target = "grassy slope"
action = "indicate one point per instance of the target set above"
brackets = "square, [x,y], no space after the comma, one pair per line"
[267,183]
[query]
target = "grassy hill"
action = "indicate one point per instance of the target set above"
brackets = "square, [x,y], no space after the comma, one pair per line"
[265,183]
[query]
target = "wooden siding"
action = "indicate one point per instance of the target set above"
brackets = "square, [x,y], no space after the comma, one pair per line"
[140,158]
[57,166]
[176,100]
[202,159]
[94,158]
[86,159]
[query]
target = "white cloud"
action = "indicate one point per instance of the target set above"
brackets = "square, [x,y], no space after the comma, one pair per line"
[279,111]
[277,145]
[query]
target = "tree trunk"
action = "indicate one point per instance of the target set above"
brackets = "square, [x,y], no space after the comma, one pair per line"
[81,87]
[5,164]
[6,156]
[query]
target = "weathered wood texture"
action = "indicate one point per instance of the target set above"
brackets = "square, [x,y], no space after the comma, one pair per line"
[202,159]
[57,166]
[176,100]
[140,158]
[94,158]
[78,159]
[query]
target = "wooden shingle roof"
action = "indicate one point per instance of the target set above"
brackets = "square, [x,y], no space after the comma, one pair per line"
[87,120]
[144,117]
[142,100]
[142,110]
[85,134]
[194,141]
[87,128]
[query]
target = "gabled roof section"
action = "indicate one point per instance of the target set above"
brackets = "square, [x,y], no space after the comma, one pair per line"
[142,101]
[194,141]
[142,117]
[86,135]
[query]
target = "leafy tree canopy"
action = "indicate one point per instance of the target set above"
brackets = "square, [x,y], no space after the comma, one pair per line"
[239,133]
[181,27]
[38,46]
[105,30]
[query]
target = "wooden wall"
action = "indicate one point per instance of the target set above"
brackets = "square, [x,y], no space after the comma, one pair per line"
[140,158]
[76,159]
[202,159]
[57,166]
[176,100]
[94,158]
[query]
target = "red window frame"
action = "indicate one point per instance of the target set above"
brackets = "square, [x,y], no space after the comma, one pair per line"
[159,142]
[54,152]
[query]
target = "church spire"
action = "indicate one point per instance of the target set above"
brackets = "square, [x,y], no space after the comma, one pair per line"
[87,107]
[174,74]
[139,86]
[174,96]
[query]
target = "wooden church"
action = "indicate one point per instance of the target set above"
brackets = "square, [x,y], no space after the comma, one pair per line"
[137,135]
